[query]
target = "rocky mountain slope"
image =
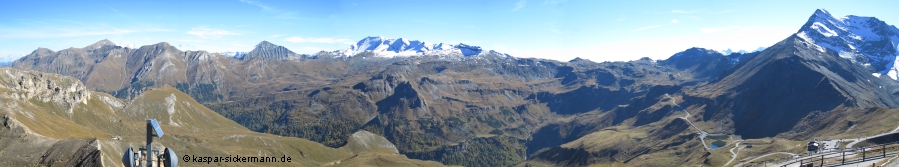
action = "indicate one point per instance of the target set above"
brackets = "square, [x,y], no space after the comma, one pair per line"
[863,40]
[50,120]
[784,91]
[788,81]
[460,105]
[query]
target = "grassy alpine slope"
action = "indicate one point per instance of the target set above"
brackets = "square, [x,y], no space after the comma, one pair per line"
[41,120]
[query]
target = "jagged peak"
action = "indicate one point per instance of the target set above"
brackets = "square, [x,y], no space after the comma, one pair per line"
[268,50]
[697,51]
[265,43]
[166,44]
[374,38]
[820,16]
[41,50]
[100,44]
[822,12]
[576,59]
[105,42]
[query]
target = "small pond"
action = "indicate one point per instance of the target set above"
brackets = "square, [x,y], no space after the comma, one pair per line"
[718,144]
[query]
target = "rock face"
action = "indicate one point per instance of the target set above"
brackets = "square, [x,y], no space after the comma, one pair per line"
[866,41]
[19,146]
[267,50]
[25,85]
[73,152]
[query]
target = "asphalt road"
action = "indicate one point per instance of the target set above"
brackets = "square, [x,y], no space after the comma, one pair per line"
[829,145]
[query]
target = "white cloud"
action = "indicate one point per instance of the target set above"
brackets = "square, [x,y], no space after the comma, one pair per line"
[648,27]
[318,40]
[674,21]
[717,29]
[520,4]
[209,33]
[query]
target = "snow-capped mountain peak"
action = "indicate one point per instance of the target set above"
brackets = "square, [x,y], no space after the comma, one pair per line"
[729,51]
[864,40]
[387,47]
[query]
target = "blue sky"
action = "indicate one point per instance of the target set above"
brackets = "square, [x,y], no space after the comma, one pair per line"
[552,29]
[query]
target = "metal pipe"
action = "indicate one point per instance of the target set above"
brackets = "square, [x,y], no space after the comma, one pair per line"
[149,144]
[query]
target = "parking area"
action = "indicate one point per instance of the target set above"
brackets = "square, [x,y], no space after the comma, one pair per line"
[829,145]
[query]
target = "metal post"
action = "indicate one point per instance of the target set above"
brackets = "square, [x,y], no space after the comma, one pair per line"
[822,160]
[149,144]
[884,147]
[843,162]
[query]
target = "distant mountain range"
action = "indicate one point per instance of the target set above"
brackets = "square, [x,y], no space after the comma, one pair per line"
[729,51]
[462,105]
[402,47]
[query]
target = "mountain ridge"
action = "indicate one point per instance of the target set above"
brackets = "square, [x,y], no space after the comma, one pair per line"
[50,119]
[496,110]
[865,40]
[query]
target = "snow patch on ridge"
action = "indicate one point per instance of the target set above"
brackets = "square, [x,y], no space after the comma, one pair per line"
[809,41]
[826,31]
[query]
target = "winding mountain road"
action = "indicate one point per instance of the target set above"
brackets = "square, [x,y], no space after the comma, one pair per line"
[733,153]
[702,133]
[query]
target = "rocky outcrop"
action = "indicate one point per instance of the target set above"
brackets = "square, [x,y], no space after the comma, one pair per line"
[19,147]
[45,87]
[73,152]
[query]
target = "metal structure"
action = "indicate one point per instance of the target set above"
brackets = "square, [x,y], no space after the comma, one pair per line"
[167,158]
